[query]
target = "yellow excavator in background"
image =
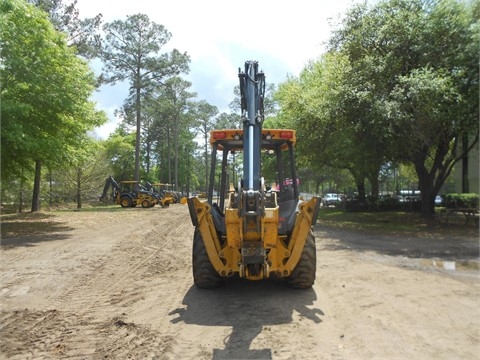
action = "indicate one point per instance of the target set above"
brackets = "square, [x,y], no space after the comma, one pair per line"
[128,193]
[176,195]
[252,230]
[164,198]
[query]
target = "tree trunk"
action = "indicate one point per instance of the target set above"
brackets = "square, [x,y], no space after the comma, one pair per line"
[138,137]
[20,195]
[148,147]
[359,178]
[187,157]
[465,185]
[426,186]
[360,183]
[50,184]
[169,157]
[175,155]
[36,186]
[375,188]
[79,187]
[206,160]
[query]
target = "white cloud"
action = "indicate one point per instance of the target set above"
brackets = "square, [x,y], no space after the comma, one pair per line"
[221,35]
[109,127]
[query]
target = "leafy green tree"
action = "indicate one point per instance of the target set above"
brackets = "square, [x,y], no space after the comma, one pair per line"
[119,148]
[420,59]
[65,17]
[175,103]
[327,115]
[131,52]
[269,103]
[167,118]
[205,115]
[84,179]
[228,121]
[45,106]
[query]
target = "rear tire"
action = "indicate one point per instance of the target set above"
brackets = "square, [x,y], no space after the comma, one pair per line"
[303,276]
[204,275]
[126,201]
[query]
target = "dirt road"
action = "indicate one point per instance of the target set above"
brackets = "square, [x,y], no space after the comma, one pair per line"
[118,285]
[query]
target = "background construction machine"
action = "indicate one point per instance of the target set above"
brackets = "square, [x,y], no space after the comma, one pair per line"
[164,198]
[254,231]
[176,195]
[128,193]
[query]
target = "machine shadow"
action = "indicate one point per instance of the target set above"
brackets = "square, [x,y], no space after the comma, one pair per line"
[246,306]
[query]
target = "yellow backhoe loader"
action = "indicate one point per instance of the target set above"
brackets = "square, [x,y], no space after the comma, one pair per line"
[164,198]
[253,230]
[128,193]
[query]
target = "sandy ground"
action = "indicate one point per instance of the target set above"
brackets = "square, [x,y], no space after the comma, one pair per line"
[119,286]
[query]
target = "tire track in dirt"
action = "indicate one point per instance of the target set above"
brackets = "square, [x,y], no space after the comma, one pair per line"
[95,305]
[113,291]
[125,291]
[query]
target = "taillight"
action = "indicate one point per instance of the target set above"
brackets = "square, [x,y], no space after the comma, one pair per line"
[286,135]
[219,135]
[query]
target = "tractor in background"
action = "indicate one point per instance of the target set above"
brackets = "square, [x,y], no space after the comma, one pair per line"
[164,198]
[128,193]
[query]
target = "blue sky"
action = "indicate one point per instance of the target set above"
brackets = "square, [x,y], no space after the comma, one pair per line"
[219,36]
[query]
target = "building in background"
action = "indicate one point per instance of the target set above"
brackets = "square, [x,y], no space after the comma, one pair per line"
[467,173]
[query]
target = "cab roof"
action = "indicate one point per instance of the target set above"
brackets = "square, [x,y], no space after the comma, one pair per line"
[271,138]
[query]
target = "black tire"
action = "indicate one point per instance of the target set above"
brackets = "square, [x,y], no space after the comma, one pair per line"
[204,275]
[126,201]
[146,204]
[303,276]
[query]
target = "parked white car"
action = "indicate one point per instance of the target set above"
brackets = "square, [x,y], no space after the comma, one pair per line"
[331,199]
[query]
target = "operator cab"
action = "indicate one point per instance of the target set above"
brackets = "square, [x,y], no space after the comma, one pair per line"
[278,172]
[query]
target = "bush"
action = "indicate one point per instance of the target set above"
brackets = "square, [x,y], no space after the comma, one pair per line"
[456,201]
[385,203]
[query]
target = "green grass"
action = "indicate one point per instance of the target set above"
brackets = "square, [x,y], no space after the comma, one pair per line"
[385,222]
[87,208]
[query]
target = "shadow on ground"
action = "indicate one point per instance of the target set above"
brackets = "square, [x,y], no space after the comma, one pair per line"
[248,307]
[31,228]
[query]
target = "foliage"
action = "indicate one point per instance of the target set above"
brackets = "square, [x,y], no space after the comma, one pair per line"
[131,52]
[65,17]
[421,59]
[332,121]
[47,112]
[456,201]
[83,180]
[399,84]
[120,149]
[205,122]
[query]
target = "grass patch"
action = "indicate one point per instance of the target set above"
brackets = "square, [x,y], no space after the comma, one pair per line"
[100,208]
[383,222]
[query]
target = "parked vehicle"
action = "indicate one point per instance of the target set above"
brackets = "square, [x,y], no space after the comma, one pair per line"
[249,231]
[128,193]
[331,199]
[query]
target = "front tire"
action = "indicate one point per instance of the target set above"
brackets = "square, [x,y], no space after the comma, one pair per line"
[126,201]
[204,275]
[303,276]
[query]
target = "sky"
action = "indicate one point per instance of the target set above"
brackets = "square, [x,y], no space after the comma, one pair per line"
[219,36]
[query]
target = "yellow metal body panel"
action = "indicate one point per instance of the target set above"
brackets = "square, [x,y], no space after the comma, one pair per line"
[281,258]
